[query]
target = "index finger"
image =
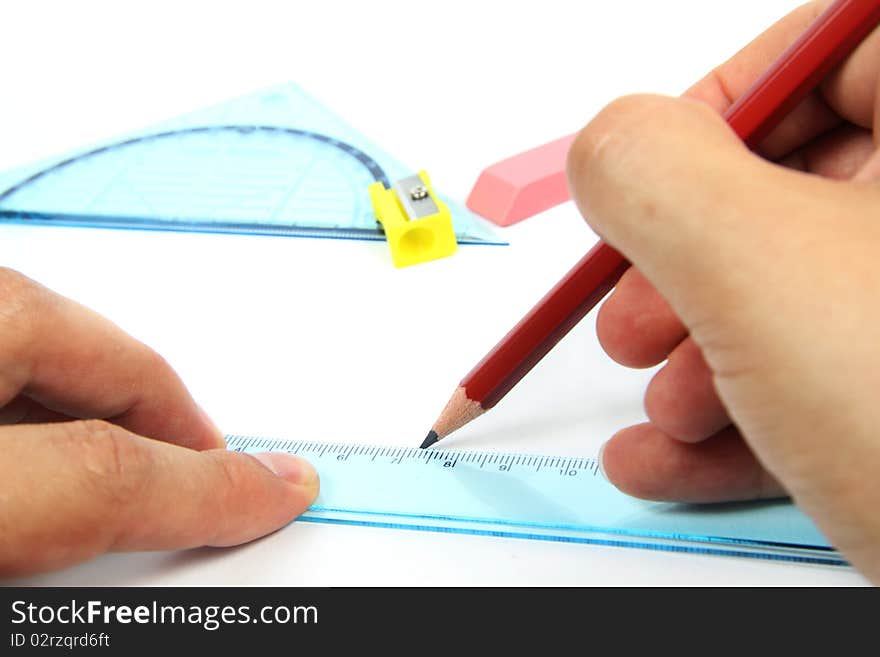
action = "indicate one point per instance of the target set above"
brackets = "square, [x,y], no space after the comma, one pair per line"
[846,95]
[73,490]
[73,361]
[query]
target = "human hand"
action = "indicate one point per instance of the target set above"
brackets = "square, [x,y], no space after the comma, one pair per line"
[73,489]
[757,280]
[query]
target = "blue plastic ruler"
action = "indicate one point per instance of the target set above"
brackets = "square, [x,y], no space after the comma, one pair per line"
[274,162]
[553,498]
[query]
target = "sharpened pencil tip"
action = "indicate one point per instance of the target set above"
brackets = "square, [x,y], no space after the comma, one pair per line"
[430,439]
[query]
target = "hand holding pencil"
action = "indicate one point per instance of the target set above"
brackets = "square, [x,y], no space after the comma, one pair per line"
[755,277]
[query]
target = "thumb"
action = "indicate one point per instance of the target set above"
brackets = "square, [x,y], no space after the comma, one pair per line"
[667,183]
[747,253]
[74,490]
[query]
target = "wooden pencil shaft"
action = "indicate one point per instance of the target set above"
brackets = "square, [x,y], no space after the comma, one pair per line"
[801,67]
[545,325]
[792,76]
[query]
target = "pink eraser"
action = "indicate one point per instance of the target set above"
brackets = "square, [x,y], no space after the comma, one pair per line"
[523,185]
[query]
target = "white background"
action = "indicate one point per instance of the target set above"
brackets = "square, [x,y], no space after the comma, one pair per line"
[261,329]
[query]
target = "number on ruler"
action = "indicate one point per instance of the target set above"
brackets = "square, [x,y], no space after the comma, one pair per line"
[398,456]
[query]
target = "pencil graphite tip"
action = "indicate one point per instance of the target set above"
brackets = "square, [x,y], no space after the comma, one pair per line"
[430,439]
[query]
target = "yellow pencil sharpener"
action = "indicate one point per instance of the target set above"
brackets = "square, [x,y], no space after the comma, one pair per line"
[417,225]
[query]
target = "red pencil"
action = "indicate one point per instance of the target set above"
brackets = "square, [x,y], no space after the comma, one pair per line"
[789,79]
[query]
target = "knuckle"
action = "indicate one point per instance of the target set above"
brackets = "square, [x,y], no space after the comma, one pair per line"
[608,146]
[115,467]
[231,489]
[231,476]
[10,278]
[154,362]
[628,161]
[20,298]
[152,366]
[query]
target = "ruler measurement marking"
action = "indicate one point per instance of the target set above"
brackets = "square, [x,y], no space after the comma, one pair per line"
[567,490]
[560,465]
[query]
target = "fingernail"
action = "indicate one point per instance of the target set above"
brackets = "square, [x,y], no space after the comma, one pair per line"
[291,468]
[599,460]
